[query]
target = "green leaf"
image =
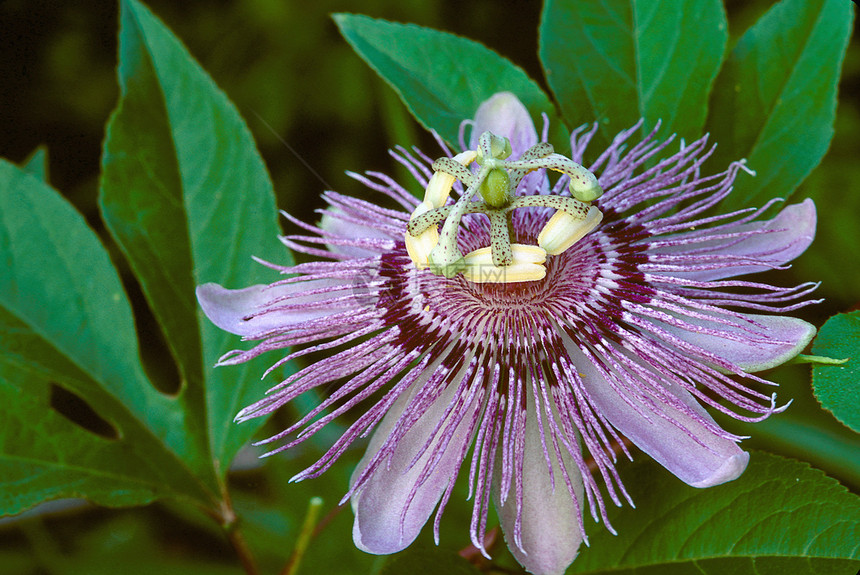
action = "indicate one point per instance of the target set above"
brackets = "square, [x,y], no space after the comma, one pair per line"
[442,78]
[59,282]
[36,465]
[780,516]
[617,62]
[187,197]
[36,164]
[805,431]
[810,438]
[837,387]
[141,202]
[774,102]
[64,318]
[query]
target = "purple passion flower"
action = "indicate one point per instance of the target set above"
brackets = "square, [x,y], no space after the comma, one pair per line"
[527,328]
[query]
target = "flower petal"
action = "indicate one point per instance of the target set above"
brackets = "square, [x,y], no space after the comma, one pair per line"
[550,531]
[334,222]
[775,242]
[381,526]
[504,115]
[690,450]
[770,341]
[253,310]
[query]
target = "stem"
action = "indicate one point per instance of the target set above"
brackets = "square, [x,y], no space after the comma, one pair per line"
[305,536]
[230,522]
[329,517]
[242,550]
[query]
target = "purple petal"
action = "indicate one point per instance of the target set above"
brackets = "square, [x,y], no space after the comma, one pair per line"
[774,242]
[504,115]
[550,532]
[250,311]
[685,443]
[381,526]
[770,341]
[334,222]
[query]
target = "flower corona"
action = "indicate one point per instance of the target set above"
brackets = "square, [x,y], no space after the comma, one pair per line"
[521,320]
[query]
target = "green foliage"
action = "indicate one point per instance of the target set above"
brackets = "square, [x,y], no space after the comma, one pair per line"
[780,516]
[188,199]
[37,164]
[35,466]
[273,509]
[774,102]
[121,543]
[837,387]
[616,62]
[181,175]
[442,78]
[65,319]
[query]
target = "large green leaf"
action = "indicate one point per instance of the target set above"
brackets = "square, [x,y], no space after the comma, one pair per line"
[616,62]
[64,318]
[809,437]
[837,387]
[442,78]
[37,466]
[780,516]
[774,102]
[187,197]
[58,280]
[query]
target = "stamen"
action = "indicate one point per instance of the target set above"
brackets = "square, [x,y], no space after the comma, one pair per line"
[419,247]
[526,265]
[440,185]
[435,196]
[563,230]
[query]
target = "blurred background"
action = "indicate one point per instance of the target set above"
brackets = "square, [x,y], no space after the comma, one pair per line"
[308,98]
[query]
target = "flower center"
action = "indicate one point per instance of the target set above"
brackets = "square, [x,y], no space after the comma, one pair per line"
[496,182]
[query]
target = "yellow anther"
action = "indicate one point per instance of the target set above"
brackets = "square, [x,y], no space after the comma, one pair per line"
[526,266]
[563,230]
[419,248]
[439,187]
[435,196]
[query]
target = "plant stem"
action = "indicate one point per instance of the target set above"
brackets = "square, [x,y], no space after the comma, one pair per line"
[242,550]
[230,523]
[305,536]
